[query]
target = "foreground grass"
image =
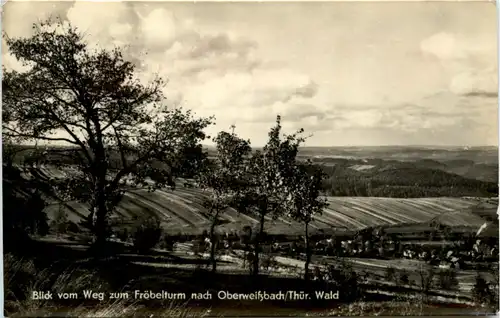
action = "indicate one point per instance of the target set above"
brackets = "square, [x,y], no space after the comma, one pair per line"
[22,279]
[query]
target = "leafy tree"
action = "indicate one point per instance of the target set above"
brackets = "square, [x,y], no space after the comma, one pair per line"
[223,178]
[23,214]
[267,174]
[93,101]
[147,233]
[448,279]
[305,201]
[344,276]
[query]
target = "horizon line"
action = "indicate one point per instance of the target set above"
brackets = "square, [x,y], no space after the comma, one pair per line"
[313,146]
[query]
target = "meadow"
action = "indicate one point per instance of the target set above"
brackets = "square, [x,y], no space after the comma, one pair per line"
[385,282]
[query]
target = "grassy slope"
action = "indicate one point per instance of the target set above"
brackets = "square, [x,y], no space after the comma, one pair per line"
[182,211]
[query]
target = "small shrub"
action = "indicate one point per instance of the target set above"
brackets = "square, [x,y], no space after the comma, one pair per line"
[346,278]
[448,279]
[60,222]
[426,280]
[268,261]
[123,235]
[481,292]
[72,227]
[403,278]
[147,234]
[198,247]
[167,243]
[390,274]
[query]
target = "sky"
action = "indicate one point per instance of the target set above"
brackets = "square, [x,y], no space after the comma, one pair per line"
[349,73]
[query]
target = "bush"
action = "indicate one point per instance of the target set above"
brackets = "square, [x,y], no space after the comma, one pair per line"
[346,278]
[426,280]
[482,293]
[167,243]
[23,214]
[390,274]
[146,234]
[268,261]
[403,278]
[72,227]
[448,279]
[198,246]
[122,235]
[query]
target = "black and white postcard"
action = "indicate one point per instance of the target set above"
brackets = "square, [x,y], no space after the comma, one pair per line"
[222,159]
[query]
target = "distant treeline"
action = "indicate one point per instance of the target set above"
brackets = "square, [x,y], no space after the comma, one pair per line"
[386,179]
[402,182]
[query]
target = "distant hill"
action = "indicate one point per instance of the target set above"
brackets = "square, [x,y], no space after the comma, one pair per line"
[385,171]
[402,179]
[478,155]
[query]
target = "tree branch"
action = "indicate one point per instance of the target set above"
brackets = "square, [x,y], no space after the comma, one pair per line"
[129,168]
[64,125]
[18,134]
[120,146]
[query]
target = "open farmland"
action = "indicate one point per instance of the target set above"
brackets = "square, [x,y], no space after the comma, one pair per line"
[182,210]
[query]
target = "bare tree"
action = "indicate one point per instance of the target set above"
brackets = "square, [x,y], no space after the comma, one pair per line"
[426,276]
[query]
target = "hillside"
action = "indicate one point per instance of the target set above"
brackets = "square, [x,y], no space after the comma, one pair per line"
[405,179]
[182,210]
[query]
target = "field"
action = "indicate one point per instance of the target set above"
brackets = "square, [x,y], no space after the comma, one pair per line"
[411,218]
[182,210]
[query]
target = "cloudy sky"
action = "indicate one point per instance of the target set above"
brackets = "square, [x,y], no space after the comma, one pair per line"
[394,73]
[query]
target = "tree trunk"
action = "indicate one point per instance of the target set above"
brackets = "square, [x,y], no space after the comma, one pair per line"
[308,252]
[258,241]
[100,169]
[245,255]
[212,240]
[100,228]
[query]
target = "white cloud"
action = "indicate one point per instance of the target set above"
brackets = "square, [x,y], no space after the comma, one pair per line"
[158,28]
[451,46]
[444,46]
[216,68]
[471,60]
[475,81]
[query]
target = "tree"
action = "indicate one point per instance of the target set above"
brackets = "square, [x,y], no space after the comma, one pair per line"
[223,178]
[390,274]
[245,240]
[267,174]
[93,101]
[146,234]
[448,279]
[305,201]
[426,280]
[61,220]
[10,144]
[23,215]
